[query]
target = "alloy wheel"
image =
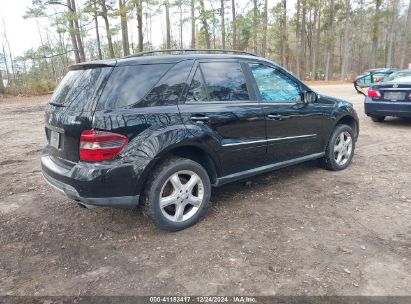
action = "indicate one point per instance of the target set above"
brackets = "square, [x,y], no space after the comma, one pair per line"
[343,148]
[181,196]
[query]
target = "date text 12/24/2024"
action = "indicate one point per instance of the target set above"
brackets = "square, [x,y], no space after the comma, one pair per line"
[203,299]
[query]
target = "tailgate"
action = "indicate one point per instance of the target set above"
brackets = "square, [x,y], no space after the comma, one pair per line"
[71,108]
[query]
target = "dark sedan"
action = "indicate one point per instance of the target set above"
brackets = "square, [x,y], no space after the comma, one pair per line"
[390,98]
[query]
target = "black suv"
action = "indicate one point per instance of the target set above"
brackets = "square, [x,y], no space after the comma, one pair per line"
[162,130]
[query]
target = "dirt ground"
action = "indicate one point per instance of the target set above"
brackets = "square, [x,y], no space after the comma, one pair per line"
[297,231]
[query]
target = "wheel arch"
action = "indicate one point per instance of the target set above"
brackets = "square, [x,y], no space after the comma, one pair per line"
[193,152]
[350,121]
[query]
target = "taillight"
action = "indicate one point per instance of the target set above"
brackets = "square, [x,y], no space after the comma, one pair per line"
[378,79]
[100,145]
[374,93]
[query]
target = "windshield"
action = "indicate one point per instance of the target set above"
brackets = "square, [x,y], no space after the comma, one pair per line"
[400,76]
[79,87]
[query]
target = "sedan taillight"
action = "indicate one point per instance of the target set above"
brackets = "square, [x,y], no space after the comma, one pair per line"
[100,145]
[374,93]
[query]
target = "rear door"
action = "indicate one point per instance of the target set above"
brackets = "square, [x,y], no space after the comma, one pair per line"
[70,110]
[221,103]
[294,129]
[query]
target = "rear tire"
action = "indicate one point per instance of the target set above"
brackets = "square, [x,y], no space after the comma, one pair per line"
[377,118]
[177,194]
[340,149]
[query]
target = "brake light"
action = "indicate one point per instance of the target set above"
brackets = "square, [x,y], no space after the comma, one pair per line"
[100,145]
[378,79]
[374,93]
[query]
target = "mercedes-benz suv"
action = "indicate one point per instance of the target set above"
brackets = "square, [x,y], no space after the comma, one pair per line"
[161,131]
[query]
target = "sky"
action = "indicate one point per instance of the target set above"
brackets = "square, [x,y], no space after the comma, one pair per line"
[23,33]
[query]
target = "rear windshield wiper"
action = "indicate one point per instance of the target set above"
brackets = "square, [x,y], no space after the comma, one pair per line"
[57,104]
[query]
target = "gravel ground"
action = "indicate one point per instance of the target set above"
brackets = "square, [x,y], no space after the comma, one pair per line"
[297,231]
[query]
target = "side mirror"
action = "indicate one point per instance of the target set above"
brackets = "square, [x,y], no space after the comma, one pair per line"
[310,97]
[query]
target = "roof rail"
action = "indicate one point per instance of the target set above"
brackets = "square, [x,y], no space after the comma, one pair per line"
[190,51]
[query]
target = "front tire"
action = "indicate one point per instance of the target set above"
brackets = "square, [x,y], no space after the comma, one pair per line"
[177,194]
[377,118]
[340,149]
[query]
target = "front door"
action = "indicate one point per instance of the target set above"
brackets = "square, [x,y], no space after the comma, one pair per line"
[220,103]
[293,127]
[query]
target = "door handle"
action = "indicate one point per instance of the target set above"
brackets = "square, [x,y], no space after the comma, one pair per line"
[275,116]
[200,118]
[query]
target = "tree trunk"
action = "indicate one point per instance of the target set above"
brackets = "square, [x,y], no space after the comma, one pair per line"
[124,27]
[100,54]
[11,79]
[344,65]
[168,30]
[317,42]
[139,9]
[107,24]
[6,65]
[205,24]
[181,24]
[375,29]
[222,25]
[303,44]
[406,45]
[73,34]
[392,33]
[330,49]
[265,27]
[297,40]
[193,26]
[234,25]
[284,44]
[255,25]
[78,32]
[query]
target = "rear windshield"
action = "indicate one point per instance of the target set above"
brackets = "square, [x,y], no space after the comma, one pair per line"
[79,88]
[127,85]
[400,76]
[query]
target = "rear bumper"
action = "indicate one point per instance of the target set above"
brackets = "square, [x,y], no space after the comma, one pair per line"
[387,108]
[92,184]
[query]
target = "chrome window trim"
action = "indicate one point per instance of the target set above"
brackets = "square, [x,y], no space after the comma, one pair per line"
[269,140]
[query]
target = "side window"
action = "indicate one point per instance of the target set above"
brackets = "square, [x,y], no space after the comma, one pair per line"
[275,86]
[225,81]
[127,85]
[197,92]
[168,90]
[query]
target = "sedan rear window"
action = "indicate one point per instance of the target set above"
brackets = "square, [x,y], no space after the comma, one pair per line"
[127,85]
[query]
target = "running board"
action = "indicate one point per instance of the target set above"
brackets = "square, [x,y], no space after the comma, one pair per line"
[247,173]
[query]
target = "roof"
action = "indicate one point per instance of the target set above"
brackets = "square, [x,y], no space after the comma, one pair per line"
[182,57]
[147,58]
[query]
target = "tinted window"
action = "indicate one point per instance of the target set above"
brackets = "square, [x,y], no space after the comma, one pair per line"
[275,86]
[224,81]
[78,88]
[169,88]
[401,76]
[127,85]
[197,91]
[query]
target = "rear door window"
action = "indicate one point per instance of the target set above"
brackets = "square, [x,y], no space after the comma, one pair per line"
[224,81]
[128,85]
[168,90]
[197,90]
